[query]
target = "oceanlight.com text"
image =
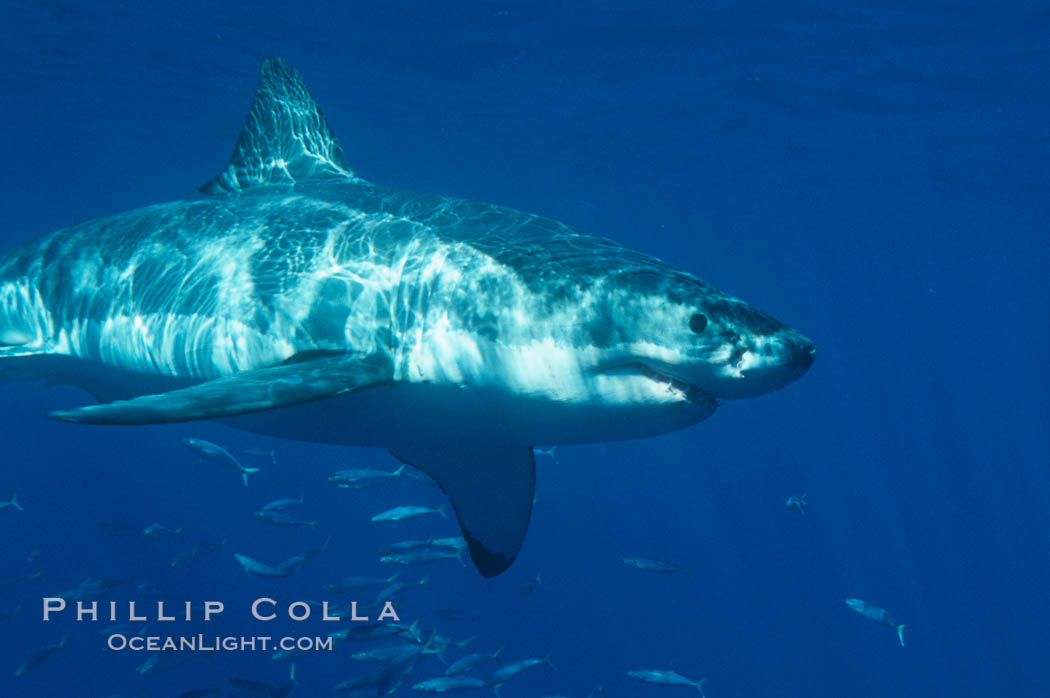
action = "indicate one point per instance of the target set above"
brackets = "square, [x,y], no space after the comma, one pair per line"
[217,643]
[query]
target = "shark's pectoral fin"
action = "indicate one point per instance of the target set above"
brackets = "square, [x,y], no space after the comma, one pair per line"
[491,490]
[290,383]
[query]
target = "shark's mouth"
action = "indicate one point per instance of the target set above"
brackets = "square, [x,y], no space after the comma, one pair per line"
[680,388]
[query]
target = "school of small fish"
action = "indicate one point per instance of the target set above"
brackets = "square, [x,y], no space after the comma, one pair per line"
[394,649]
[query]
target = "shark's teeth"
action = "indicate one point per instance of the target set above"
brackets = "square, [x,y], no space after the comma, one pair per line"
[681,389]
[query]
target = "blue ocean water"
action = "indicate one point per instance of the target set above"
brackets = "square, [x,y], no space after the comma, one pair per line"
[874,174]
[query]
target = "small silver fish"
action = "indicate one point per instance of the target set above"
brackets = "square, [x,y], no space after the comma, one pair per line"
[451,543]
[12,502]
[261,569]
[422,556]
[383,682]
[878,615]
[396,590]
[37,658]
[408,512]
[531,585]
[92,589]
[281,569]
[652,564]
[282,504]
[356,478]
[289,655]
[546,452]
[293,563]
[280,518]
[465,664]
[405,545]
[156,529]
[377,631]
[386,653]
[505,673]
[217,454]
[194,553]
[351,584]
[261,453]
[799,503]
[449,684]
[661,677]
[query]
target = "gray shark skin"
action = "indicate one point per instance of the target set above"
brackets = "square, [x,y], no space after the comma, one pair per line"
[298,300]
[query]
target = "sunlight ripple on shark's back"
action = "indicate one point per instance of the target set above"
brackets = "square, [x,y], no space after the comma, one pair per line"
[298,300]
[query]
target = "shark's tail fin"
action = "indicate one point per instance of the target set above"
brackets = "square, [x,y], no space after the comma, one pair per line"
[441,510]
[900,633]
[700,685]
[14,501]
[245,472]
[398,472]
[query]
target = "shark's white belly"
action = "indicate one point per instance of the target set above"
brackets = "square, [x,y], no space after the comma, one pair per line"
[388,415]
[463,387]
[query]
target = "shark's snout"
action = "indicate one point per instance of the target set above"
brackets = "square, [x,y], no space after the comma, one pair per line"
[798,352]
[798,357]
[766,365]
[806,354]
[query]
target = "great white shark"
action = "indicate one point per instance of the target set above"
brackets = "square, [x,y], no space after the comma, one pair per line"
[296,299]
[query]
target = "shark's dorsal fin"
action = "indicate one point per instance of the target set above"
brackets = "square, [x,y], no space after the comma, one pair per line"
[285,140]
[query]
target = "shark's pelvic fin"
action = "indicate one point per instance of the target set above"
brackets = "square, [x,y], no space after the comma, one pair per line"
[250,391]
[491,490]
[285,140]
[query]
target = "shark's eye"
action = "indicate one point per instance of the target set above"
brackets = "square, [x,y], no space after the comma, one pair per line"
[698,322]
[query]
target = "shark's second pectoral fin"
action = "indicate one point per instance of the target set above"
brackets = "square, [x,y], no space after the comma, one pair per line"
[291,383]
[491,490]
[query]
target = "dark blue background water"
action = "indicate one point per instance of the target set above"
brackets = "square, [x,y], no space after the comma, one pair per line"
[874,174]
